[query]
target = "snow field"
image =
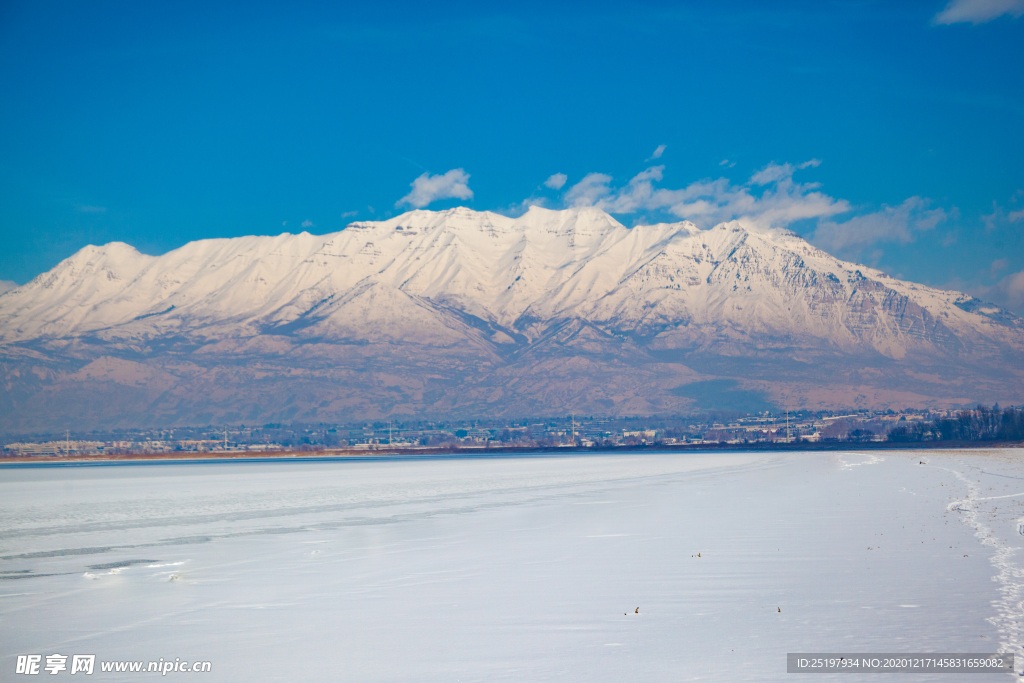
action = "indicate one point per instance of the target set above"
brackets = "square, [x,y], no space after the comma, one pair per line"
[515,568]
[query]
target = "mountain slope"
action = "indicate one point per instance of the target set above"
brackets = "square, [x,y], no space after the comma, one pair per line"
[481,313]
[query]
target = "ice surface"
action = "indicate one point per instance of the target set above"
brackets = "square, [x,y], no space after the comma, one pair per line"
[525,569]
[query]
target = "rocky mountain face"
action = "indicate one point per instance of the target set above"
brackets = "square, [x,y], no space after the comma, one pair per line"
[463,314]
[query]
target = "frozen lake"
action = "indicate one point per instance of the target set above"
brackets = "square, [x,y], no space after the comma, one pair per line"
[519,569]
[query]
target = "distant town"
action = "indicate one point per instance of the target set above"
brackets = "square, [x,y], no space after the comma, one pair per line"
[800,427]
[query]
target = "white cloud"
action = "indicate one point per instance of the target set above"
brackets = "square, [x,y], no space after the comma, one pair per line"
[770,198]
[589,191]
[726,163]
[709,202]
[1015,216]
[7,285]
[430,188]
[1011,291]
[978,11]
[1008,292]
[892,224]
[658,152]
[556,181]
[516,210]
[307,223]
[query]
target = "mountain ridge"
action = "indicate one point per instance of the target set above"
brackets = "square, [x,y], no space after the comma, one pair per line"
[472,299]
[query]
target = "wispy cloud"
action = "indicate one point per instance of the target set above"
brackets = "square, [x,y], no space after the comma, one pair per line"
[900,224]
[978,11]
[773,173]
[726,163]
[349,214]
[658,152]
[1000,217]
[429,188]
[771,198]
[556,181]
[7,285]
[307,223]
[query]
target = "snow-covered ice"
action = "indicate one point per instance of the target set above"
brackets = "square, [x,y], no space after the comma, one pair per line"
[521,568]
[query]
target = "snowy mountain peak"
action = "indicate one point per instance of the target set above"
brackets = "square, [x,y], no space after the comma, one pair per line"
[545,264]
[575,283]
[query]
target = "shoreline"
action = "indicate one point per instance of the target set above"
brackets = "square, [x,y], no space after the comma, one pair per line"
[396,454]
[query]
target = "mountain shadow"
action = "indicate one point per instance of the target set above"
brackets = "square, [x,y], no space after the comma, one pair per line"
[724,394]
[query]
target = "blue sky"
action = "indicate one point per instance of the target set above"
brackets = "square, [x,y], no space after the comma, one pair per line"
[887,133]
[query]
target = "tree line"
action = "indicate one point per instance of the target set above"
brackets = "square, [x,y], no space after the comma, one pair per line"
[980,424]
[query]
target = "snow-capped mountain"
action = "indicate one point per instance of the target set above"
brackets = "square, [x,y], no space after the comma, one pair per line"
[464,310]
